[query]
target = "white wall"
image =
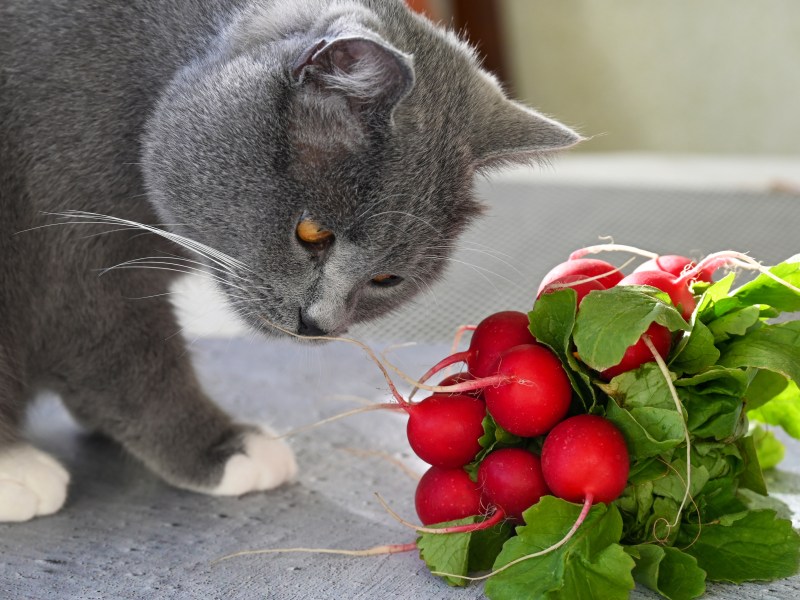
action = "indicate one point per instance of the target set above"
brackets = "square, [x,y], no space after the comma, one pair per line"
[719,76]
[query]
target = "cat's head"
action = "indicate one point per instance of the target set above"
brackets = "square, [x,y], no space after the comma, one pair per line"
[330,148]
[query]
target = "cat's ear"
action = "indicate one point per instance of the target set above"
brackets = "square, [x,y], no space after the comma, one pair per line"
[513,133]
[372,75]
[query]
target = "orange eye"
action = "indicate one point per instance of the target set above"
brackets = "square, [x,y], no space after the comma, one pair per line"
[311,232]
[386,279]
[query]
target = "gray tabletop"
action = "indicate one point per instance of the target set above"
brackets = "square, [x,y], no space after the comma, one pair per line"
[124,534]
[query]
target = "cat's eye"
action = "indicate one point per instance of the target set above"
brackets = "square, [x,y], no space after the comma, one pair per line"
[313,233]
[386,280]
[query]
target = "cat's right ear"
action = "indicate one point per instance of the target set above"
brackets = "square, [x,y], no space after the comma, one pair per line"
[371,75]
[511,133]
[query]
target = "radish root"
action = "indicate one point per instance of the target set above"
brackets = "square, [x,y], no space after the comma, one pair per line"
[738,259]
[349,413]
[374,551]
[386,457]
[370,352]
[459,334]
[496,517]
[611,248]
[560,286]
[674,393]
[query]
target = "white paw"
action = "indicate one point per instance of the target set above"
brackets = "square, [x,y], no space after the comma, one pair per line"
[32,483]
[265,464]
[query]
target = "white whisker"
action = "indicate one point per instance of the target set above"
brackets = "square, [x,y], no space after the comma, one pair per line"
[476,268]
[483,252]
[216,256]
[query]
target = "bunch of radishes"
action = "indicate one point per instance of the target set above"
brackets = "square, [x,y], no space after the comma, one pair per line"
[524,388]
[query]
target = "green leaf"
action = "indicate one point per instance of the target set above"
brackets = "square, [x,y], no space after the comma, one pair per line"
[751,477]
[647,470]
[648,432]
[495,436]
[644,387]
[447,552]
[765,290]
[748,546]
[764,386]
[643,409]
[783,410]
[769,449]
[755,501]
[668,571]
[773,347]
[551,323]
[736,322]
[715,300]
[673,486]
[486,545]
[610,321]
[713,401]
[698,353]
[552,319]
[462,553]
[591,565]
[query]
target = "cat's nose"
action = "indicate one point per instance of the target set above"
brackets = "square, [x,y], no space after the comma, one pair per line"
[308,326]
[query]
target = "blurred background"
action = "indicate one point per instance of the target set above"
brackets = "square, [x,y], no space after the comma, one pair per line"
[718,76]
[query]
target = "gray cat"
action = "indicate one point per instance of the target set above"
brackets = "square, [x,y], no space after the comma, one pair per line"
[314,157]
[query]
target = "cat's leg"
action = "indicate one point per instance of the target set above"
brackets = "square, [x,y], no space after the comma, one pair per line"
[32,483]
[137,385]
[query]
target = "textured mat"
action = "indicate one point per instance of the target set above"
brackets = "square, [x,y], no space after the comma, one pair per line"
[531,228]
[124,534]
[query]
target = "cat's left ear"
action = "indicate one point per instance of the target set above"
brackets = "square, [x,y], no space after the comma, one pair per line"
[513,133]
[370,74]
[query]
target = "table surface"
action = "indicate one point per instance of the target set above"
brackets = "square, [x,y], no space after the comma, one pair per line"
[124,534]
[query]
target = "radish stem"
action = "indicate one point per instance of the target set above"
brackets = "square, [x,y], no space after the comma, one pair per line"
[465,386]
[445,362]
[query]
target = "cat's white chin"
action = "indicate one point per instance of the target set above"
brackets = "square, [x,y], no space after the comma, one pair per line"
[32,484]
[265,464]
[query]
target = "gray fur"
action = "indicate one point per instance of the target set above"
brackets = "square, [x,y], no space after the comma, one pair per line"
[225,121]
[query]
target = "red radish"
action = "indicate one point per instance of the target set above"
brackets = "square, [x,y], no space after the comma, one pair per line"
[492,336]
[585,457]
[537,395]
[608,275]
[677,288]
[585,460]
[511,478]
[461,378]
[579,283]
[638,354]
[446,495]
[443,430]
[675,265]
[495,334]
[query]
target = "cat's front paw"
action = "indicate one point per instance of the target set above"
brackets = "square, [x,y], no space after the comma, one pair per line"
[32,483]
[265,463]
